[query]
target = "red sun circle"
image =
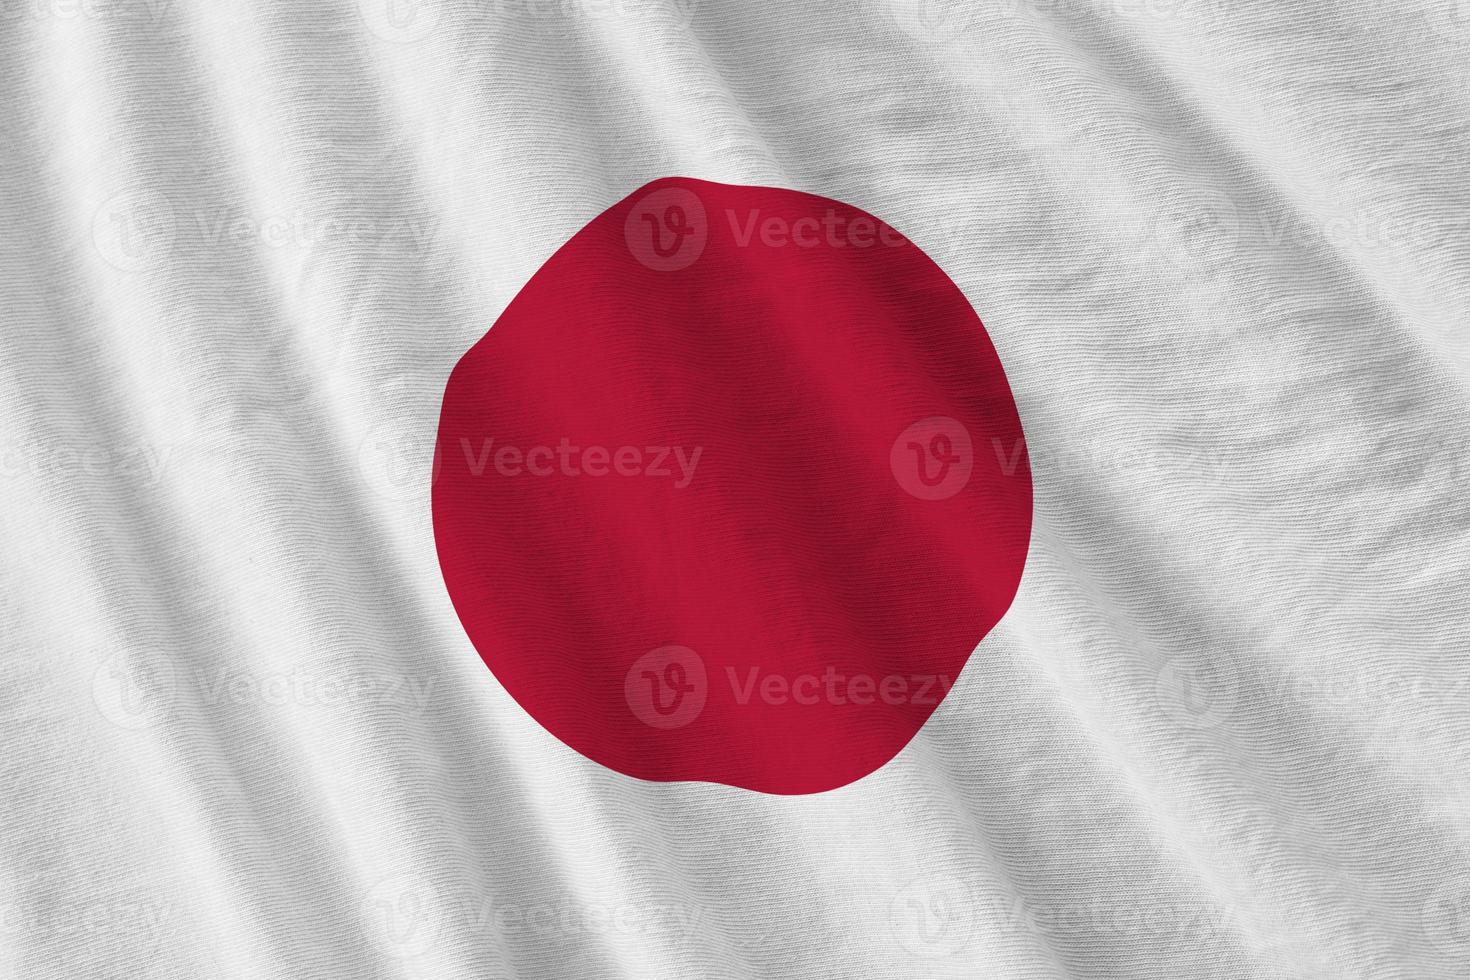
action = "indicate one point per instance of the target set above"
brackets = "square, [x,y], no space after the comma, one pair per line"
[732,489]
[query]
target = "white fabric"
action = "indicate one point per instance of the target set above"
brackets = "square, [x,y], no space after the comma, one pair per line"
[1220,246]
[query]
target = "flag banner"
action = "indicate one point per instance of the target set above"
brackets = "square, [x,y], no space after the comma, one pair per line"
[901,489]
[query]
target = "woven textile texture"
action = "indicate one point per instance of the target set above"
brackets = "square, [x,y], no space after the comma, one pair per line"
[1220,247]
